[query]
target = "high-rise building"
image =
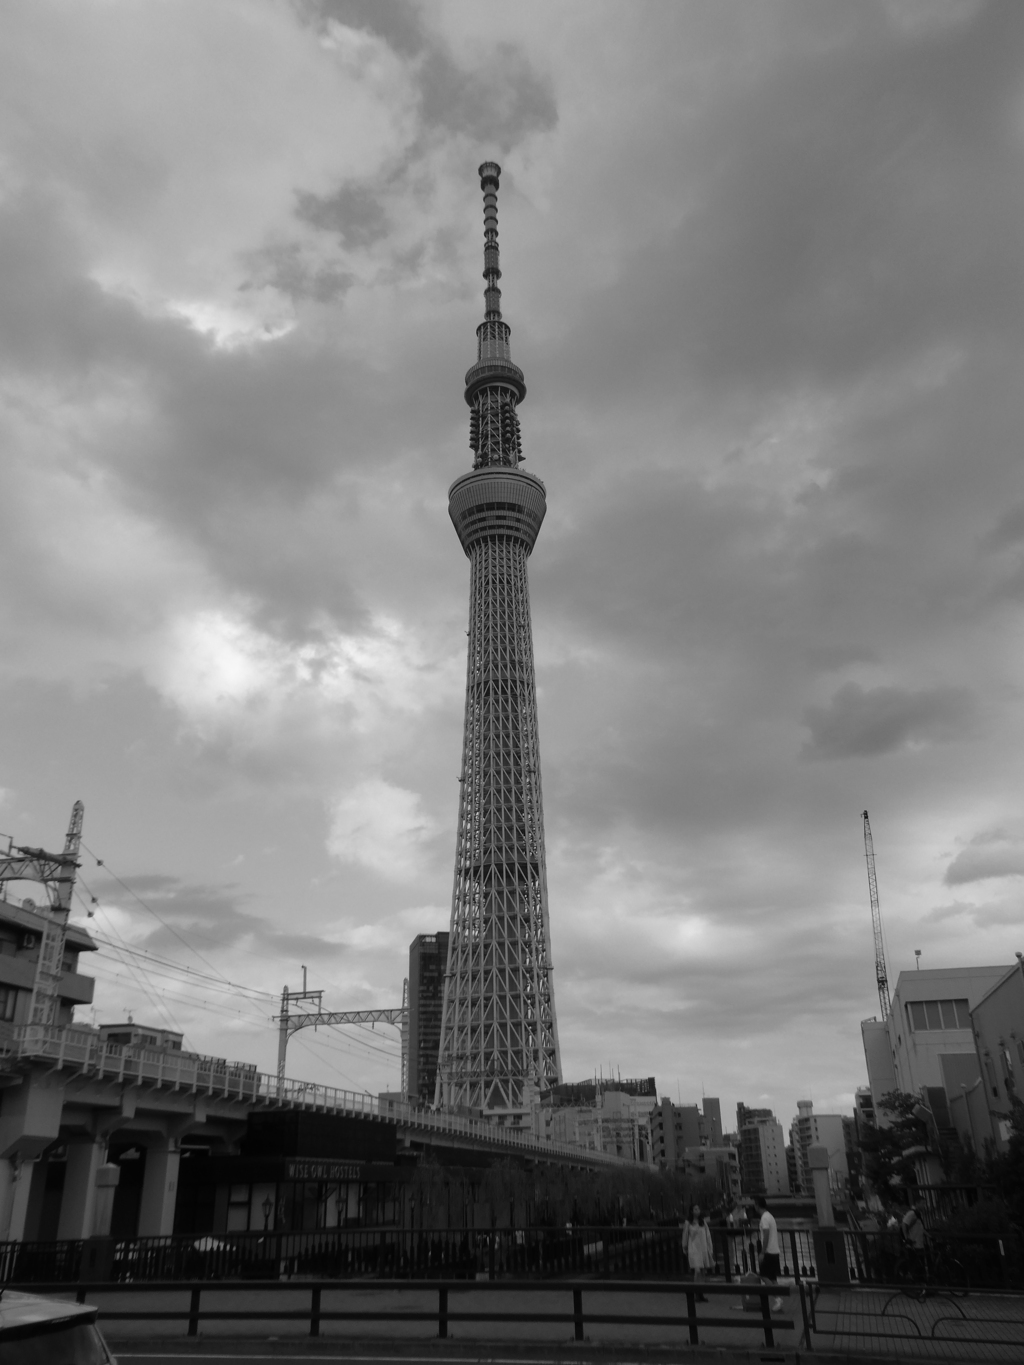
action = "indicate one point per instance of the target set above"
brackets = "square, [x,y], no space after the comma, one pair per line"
[680,1128]
[808,1130]
[763,1165]
[499,1037]
[428,958]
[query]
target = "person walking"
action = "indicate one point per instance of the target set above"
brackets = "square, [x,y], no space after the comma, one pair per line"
[770,1251]
[698,1247]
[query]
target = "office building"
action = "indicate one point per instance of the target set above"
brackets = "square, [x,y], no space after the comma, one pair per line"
[428,958]
[927,1043]
[676,1128]
[762,1152]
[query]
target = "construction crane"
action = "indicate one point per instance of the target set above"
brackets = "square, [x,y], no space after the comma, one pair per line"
[289,1023]
[56,871]
[881,976]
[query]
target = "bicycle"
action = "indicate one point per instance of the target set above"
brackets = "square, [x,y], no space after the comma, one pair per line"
[930,1268]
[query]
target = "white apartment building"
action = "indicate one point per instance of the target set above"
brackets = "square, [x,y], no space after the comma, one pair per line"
[927,1041]
[763,1165]
[809,1130]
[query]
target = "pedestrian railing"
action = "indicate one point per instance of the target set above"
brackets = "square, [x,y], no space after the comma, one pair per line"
[979,1260]
[884,1317]
[383,1253]
[609,1252]
[583,1313]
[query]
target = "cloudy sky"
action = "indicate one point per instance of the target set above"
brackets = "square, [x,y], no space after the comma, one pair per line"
[763,268]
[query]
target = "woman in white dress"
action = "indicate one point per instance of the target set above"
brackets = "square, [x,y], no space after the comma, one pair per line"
[698,1247]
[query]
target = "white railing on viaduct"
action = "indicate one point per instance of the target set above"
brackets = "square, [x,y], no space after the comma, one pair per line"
[83,1050]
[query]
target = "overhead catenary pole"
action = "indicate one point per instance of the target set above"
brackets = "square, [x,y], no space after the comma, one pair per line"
[881,976]
[56,872]
[289,1023]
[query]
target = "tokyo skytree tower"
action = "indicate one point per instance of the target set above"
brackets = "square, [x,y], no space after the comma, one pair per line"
[499,1037]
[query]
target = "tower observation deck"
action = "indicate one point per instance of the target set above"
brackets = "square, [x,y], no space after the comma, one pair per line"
[499,1037]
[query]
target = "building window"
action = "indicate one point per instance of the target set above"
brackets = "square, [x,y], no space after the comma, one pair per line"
[925,1015]
[990,1072]
[8,999]
[238,1209]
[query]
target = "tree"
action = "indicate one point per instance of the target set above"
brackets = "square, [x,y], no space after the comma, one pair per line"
[887,1165]
[1006,1171]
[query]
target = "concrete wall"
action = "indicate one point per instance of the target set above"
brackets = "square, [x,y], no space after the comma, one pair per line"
[998,1021]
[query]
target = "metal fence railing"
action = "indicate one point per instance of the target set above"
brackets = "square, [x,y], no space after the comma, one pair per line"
[588,1305]
[977,1260]
[382,1253]
[974,1260]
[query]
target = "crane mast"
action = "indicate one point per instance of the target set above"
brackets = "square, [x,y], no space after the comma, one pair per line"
[881,976]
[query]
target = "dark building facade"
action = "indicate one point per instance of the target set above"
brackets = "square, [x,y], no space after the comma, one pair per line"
[295,1172]
[428,958]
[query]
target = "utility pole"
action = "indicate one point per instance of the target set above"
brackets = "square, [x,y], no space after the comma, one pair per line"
[56,871]
[881,976]
[317,1017]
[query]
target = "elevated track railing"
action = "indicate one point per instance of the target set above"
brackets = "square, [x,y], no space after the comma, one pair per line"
[86,1052]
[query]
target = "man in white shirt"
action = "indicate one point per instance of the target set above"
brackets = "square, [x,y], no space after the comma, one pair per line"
[770,1251]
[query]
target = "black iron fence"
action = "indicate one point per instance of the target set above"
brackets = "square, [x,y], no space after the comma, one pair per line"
[975,1260]
[589,1305]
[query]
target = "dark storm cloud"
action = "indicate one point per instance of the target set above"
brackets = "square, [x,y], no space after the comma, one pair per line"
[850,202]
[354,212]
[398,22]
[993,854]
[282,267]
[866,722]
[497,106]
[1010,528]
[182,915]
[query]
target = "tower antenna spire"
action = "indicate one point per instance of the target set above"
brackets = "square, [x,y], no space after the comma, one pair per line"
[494,385]
[490,172]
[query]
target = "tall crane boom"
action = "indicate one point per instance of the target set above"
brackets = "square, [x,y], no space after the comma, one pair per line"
[881,976]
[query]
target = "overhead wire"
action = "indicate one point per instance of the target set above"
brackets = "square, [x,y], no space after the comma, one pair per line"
[200,978]
[152,966]
[250,996]
[100,862]
[159,918]
[141,984]
[308,1045]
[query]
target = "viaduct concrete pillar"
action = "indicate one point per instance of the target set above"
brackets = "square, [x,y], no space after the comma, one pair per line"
[77,1208]
[15,1188]
[817,1159]
[159,1188]
[107,1176]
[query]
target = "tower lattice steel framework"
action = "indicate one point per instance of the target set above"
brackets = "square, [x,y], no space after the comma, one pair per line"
[499,1037]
